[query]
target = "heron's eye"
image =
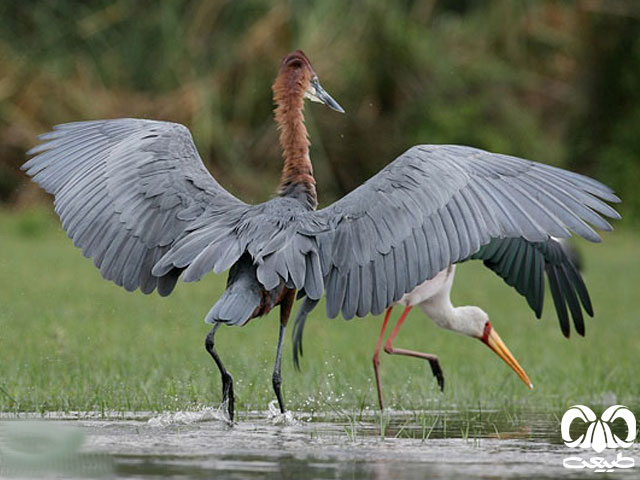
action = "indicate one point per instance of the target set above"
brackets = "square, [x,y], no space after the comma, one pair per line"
[294,63]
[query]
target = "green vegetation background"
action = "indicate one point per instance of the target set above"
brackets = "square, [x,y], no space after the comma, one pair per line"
[553,81]
[71,341]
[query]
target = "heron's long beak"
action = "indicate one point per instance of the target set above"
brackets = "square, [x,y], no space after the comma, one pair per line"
[495,343]
[316,93]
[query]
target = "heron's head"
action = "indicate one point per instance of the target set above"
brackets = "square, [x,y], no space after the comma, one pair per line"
[474,321]
[297,77]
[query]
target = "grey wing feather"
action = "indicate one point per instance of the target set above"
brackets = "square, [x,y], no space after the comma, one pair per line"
[126,190]
[522,265]
[439,204]
[266,232]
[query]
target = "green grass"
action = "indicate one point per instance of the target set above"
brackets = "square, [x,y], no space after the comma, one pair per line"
[71,341]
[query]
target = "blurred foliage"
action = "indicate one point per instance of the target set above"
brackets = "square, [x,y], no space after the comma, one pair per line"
[554,81]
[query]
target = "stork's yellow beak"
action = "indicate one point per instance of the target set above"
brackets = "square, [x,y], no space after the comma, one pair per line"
[495,343]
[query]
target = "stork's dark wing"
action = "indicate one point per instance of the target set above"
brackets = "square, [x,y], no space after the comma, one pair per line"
[522,265]
[125,190]
[437,205]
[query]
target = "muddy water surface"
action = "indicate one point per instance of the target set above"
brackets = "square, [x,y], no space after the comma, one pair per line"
[203,444]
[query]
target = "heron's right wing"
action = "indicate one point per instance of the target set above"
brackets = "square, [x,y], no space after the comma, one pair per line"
[436,205]
[126,190]
[523,264]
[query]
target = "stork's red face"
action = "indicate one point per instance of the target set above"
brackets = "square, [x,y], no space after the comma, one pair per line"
[492,340]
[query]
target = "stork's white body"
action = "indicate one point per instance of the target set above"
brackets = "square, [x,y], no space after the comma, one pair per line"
[434,298]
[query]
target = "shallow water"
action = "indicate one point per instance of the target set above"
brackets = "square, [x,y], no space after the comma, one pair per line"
[202,444]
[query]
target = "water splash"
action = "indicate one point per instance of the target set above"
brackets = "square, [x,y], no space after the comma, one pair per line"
[207,414]
[275,417]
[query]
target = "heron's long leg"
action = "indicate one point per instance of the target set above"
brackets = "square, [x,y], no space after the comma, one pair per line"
[277,379]
[431,358]
[285,312]
[227,379]
[376,357]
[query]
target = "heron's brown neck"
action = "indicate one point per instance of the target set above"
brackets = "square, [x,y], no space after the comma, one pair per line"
[297,173]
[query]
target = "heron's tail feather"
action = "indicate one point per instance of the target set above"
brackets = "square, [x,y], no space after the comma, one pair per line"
[241,299]
[234,308]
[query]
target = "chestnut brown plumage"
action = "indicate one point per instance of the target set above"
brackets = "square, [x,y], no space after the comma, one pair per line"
[289,90]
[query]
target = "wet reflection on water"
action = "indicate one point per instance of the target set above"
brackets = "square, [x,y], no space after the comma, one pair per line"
[471,444]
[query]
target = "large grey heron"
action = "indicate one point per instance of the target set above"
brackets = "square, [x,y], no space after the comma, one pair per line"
[135,196]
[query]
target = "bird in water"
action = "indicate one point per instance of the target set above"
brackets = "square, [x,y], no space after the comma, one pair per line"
[135,196]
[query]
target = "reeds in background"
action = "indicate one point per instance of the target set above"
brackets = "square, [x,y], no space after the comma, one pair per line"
[554,81]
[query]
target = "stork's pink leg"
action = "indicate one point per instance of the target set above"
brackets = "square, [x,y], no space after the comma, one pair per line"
[376,357]
[431,358]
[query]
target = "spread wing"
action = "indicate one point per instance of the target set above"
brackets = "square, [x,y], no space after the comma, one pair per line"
[523,264]
[135,196]
[126,190]
[439,204]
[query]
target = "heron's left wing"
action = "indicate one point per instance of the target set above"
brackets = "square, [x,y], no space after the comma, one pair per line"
[126,189]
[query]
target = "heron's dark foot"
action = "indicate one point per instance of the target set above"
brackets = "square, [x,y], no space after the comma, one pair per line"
[227,380]
[277,378]
[277,387]
[437,372]
[228,396]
